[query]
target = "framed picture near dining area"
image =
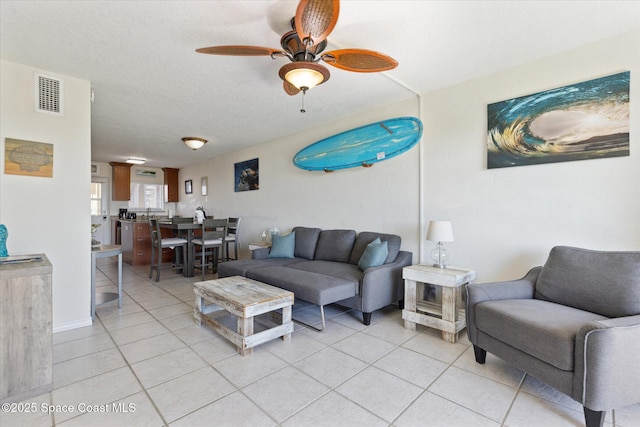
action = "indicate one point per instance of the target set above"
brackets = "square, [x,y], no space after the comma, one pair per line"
[188,186]
[204,184]
[247,176]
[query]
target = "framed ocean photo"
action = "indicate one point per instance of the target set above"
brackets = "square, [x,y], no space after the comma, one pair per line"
[246,175]
[587,120]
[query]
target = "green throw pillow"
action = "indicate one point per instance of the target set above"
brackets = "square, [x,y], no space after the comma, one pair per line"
[283,246]
[374,255]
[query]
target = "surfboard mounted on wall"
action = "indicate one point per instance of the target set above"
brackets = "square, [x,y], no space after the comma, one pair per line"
[362,146]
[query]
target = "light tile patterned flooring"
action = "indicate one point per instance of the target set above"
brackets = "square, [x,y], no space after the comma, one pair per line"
[149,364]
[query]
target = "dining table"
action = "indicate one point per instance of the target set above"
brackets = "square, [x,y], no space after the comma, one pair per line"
[184,229]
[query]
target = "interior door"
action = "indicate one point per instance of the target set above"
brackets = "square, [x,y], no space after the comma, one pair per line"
[100,210]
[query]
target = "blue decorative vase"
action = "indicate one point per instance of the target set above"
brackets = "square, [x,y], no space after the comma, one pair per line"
[4,234]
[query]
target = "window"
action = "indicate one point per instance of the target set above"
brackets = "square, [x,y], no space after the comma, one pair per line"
[146,196]
[96,198]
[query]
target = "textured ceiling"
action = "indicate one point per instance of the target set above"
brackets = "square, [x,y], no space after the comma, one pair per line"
[151,88]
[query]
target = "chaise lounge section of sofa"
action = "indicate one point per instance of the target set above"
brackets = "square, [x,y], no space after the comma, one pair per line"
[323,269]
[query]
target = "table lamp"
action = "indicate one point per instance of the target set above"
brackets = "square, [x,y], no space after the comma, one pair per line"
[440,231]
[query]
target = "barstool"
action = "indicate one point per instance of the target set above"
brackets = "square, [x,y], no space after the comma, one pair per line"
[213,234]
[233,227]
[158,243]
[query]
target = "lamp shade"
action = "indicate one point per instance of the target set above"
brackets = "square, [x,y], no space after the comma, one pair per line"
[193,142]
[440,231]
[304,75]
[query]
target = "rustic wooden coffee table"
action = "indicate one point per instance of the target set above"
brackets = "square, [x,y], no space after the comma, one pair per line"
[244,298]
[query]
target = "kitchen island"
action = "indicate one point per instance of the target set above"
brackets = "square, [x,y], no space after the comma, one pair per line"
[136,243]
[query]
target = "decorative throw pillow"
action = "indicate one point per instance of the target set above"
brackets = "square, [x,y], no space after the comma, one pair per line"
[283,246]
[374,255]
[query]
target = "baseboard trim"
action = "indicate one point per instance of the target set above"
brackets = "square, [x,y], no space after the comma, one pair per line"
[73,324]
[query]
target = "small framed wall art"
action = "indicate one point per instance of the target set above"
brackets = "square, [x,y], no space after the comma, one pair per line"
[188,186]
[247,176]
[28,158]
[204,184]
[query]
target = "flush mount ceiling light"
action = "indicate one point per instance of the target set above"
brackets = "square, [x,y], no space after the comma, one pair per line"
[135,161]
[193,142]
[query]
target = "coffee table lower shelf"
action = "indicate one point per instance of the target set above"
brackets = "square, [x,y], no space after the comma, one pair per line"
[245,299]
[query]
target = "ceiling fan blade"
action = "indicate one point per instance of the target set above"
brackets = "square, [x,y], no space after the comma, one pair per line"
[315,19]
[360,60]
[290,89]
[238,50]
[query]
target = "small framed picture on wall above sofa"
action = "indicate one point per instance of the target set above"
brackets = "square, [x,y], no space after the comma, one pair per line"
[246,175]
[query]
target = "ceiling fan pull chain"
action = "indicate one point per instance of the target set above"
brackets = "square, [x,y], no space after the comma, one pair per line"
[302,110]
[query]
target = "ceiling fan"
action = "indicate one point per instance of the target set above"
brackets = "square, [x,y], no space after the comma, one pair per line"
[304,47]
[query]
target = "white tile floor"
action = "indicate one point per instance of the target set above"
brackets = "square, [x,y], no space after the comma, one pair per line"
[149,364]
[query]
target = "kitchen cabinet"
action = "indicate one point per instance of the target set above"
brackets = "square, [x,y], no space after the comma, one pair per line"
[120,181]
[171,189]
[26,340]
[136,243]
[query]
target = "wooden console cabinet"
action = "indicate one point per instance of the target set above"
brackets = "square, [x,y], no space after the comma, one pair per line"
[136,244]
[26,341]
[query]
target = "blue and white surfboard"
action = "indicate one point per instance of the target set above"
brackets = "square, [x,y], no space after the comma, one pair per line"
[362,146]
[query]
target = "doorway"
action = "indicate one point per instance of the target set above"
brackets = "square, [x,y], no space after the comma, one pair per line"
[100,210]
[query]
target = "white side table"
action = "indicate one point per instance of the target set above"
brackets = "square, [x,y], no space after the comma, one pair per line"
[105,251]
[449,316]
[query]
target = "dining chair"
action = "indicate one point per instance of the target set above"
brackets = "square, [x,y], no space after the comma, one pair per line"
[233,227]
[158,243]
[213,238]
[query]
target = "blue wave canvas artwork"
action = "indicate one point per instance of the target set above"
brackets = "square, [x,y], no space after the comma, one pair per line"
[587,120]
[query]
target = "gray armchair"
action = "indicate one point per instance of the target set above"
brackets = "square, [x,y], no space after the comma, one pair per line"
[573,323]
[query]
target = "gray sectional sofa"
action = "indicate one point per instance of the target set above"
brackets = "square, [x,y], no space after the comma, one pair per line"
[324,269]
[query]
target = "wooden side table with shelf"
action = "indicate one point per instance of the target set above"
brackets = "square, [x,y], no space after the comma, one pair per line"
[447,316]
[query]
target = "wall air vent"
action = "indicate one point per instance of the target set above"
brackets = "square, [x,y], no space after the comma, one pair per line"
[49,95]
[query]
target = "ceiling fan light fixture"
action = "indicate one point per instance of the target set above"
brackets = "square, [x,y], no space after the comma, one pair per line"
[194,142]
[304,75]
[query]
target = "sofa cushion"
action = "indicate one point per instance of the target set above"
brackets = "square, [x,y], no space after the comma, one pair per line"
[331,268]
[306,241]
[283,246]
[374,255]
[316,288]
[607,283]
[242,266]
[543,329]
[366,237]
[335,245]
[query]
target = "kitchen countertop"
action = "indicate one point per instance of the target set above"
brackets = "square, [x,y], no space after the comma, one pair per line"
[144,219]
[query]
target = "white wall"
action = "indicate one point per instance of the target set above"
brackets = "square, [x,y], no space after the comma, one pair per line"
[506,220]
[51,215]
[382,198]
